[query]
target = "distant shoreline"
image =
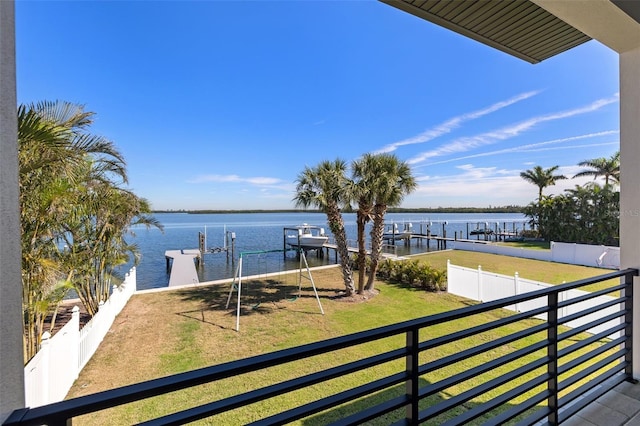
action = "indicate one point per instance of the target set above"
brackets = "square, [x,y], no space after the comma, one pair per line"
[503,209]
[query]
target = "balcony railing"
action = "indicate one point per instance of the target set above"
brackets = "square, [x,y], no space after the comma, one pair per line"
[525,369]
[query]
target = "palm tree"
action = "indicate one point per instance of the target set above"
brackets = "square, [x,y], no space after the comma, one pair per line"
[607,167]
[327,188]
[542,178]
[60,164]
[364,175]
[389,181]
[95,240]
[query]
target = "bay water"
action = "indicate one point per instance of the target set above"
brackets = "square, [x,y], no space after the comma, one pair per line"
[265,232]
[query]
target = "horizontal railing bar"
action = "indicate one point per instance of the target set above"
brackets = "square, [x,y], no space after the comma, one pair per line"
[250,397]
[451,359]
[592,369]
[590,355]
[334,400]
[573,403]
[588,311]
[374,412]
[461,334]
[483,368]
[536,417]
[591,295]
[478,390]
[516,410]
[111,398]
[589,340]
[495,402]
[583,328]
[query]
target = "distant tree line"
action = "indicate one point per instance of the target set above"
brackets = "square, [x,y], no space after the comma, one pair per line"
[348,209]
[586,214]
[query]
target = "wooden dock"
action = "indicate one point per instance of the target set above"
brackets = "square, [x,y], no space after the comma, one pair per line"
[182,264]
[383,255]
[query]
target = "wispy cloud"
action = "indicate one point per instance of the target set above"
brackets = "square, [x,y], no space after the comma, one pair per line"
[259,180]
[471,142]
[538,147]
[453,123]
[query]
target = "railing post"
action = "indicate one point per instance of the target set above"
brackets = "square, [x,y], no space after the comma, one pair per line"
[628,330]
[412,383]
[552,356]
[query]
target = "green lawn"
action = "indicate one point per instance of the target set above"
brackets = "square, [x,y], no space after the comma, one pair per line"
[546,272]
[175,331]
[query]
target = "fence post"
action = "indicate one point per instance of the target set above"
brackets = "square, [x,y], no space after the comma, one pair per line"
[480,284]
[46,367]
[516,284]
[75,352]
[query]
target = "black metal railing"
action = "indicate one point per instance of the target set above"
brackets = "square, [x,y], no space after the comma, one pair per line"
[480,362]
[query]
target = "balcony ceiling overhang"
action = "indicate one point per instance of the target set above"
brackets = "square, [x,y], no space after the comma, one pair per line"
[532,29]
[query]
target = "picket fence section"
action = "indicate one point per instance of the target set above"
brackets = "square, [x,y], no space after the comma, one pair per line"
[576,254]
[51,372]
[482,286]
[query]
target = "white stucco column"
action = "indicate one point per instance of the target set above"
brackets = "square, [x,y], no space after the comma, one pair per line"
[630,181]
[11,355]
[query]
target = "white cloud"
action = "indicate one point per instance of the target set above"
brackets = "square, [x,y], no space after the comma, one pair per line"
[467,143]
[539,147]
[259,180]
[483,186]
[454,123]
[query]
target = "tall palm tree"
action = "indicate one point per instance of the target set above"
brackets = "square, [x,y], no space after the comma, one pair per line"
[542,178]
[607,167]
[389,181]
[327,188]
[364,175]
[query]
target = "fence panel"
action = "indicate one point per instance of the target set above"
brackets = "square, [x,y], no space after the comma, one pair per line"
[35,379]
[63,358]
[463,282]
[575,254]
[485,287]
[51,372]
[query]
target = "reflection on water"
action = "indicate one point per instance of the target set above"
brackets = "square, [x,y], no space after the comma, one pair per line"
[265,231]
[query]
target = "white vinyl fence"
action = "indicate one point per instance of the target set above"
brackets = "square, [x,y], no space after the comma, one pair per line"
[576,254]
[51,372]
[483,286]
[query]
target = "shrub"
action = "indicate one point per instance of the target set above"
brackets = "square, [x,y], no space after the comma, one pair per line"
[413,273]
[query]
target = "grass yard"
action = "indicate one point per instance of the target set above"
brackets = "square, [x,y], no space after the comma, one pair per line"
[546,272]
[169,332]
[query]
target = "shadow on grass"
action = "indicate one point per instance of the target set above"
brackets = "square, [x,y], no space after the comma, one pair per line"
[257,297]
[337,414]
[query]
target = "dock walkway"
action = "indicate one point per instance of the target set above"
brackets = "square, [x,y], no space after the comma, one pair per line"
[183,267]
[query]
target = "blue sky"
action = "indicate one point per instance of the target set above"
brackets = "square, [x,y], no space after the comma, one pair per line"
[221,104]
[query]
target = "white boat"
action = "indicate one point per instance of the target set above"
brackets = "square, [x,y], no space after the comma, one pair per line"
[392,232]
[307,237]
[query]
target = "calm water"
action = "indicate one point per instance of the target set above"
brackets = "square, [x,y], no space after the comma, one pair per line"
[264,231]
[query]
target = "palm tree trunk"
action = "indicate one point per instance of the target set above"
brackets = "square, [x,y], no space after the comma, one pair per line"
[362,251]
[336,223]
[376,243]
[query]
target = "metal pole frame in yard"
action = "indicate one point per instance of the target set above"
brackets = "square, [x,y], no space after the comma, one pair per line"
[237,279]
